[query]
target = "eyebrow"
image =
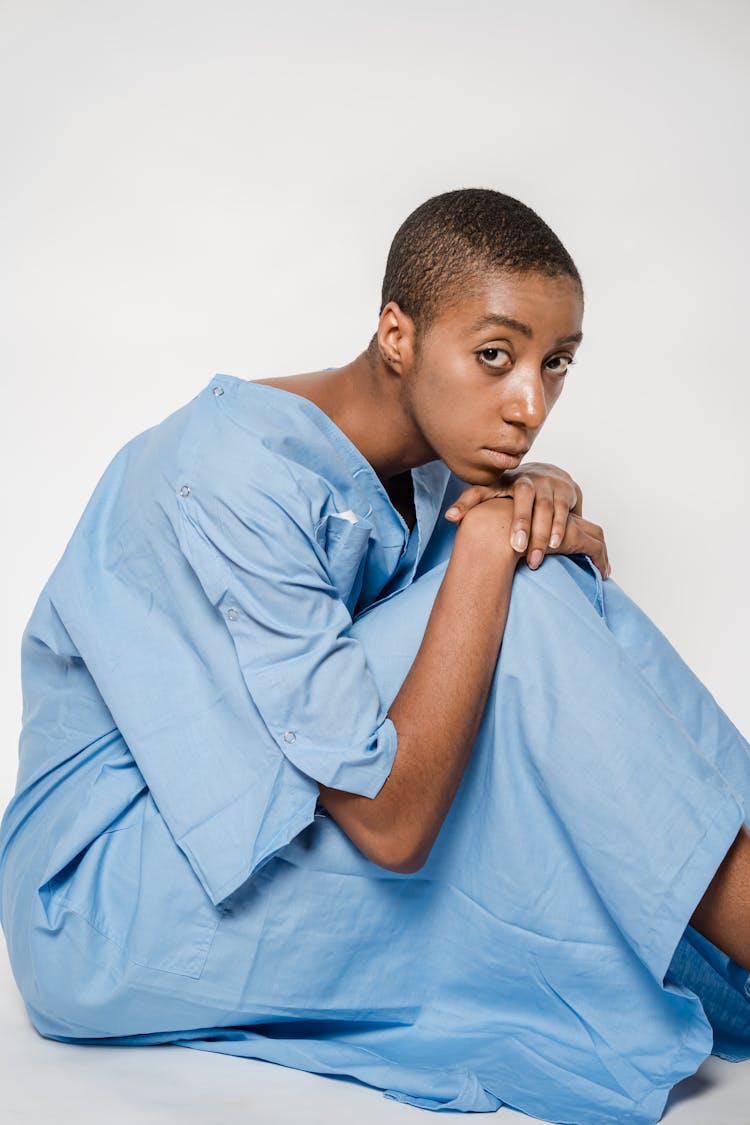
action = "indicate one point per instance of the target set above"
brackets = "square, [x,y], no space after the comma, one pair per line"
[516,326]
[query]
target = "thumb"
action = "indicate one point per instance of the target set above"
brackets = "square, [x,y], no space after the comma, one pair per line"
[468,499]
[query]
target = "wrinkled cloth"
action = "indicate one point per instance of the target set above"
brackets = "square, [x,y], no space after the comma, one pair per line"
[228,625]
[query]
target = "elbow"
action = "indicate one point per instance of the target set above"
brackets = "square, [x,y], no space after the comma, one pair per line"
[409,867]
[389,846]
[402,861]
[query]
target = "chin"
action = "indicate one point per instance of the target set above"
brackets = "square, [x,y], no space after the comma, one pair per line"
[474,474]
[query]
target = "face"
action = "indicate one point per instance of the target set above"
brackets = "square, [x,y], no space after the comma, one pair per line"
[485,374]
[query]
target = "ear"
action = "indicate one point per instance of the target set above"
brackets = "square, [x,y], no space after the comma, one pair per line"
[396,338]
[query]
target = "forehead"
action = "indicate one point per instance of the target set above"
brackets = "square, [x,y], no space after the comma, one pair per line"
[530,304]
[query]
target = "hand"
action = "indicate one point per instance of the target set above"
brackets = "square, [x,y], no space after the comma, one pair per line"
[544,496]
[491,522]
[585,538]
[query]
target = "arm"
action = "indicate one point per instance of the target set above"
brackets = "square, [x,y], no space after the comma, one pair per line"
[439,708]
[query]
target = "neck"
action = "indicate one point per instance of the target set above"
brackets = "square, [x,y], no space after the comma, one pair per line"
[365,400]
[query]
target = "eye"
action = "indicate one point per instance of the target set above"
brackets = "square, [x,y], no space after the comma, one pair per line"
[488,357]
[567,360]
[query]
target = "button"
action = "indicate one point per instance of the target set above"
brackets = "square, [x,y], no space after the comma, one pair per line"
[232,614]
[185,490]
[290,736]
[217,391]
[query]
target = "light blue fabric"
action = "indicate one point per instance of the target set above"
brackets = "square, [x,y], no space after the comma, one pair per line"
[228,625]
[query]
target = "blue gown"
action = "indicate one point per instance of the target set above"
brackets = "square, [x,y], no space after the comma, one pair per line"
[229,623]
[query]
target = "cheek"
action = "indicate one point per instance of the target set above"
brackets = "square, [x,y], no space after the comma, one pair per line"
[438,393]
[555,391]
[447,401]
[457,388]
[453,409]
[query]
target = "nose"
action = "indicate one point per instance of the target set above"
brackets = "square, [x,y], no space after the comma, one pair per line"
[525,402]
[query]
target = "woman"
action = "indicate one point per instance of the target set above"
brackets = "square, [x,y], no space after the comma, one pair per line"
[316,769]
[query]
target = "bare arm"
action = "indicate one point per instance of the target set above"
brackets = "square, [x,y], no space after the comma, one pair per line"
[439,708]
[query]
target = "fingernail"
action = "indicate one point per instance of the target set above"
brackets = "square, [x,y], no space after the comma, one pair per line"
[519,540]
[452,512]
[536,558]
[554,540]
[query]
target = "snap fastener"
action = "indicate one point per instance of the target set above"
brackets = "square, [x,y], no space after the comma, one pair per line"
[185,490]
[232,614]
[290,736]
[217,390]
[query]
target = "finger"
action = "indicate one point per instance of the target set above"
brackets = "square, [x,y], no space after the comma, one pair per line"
[469,498]
[599,558]
[584,537]
[594,546]
[541,527]
[587,526]
[559,521]
[595,533]
[524,493]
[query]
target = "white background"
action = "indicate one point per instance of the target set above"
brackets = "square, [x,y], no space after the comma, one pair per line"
[191,188]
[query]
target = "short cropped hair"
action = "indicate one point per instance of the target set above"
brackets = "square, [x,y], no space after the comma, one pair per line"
[442,246]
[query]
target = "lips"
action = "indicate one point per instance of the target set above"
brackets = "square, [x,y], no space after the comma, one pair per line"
[504,459]
[509,452]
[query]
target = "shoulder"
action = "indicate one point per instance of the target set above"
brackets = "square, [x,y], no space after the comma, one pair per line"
[254,452]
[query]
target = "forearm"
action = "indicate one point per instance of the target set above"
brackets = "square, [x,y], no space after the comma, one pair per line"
[439,707]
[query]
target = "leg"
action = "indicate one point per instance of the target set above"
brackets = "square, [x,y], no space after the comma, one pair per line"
[625,742]
[712,956]
[604,791]
[723,914]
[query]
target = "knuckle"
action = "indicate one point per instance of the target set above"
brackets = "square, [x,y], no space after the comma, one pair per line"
[537,544]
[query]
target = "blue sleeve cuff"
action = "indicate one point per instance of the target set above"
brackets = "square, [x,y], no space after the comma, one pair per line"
[362,770]
[229,847]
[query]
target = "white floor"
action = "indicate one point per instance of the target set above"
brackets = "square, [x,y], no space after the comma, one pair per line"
[43,1081]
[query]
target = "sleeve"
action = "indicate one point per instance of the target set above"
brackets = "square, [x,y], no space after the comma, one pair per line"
[298,687]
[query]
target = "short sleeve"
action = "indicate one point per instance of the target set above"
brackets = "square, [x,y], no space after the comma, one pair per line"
[305,697]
